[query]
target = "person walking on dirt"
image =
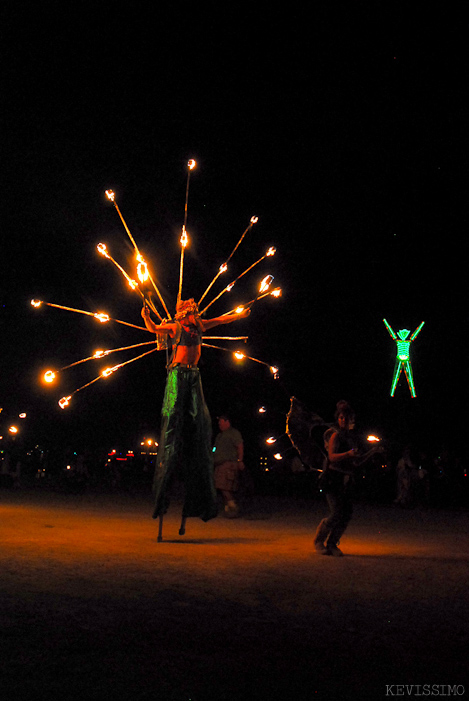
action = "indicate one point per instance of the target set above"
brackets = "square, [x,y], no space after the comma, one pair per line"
[228,458]
[337,483]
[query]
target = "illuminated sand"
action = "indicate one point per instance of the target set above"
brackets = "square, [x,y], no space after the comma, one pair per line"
[94,608]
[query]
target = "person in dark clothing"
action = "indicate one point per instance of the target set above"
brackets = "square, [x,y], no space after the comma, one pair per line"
[338,482]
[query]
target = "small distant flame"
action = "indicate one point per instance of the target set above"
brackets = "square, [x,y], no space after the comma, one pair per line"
[109,371]
[13,429]
[254,220]
[238,355]
[277,292]
[103,250]
[373,439]
[184,238]
[65,401]
[272,251]
[239,310]
[36,302]
[274,371]
[142,271]
[266,283]
[223,268]
[271,440]
[101,317]
[110,195]
[49,376]
[191,164]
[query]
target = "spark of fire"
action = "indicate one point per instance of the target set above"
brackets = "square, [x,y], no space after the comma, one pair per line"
[265,284]
[49,376]
[102,248]
[103,318]
[109,371]
[142,271]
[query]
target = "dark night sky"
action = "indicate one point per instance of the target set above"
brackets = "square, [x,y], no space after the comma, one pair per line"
[342,129]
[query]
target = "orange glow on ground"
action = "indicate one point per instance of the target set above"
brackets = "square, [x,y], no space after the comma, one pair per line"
[92,602]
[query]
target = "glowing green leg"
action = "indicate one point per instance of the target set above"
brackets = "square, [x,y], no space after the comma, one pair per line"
[410,379]
[397,372]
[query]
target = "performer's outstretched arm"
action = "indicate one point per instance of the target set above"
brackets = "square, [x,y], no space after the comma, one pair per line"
[226,319]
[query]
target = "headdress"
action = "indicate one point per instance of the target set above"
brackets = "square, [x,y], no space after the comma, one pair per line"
[185,307]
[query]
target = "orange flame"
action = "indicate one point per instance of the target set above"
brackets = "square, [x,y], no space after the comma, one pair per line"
[103,249]
[101,317]
[142,271]
[49,376]
[109,371]
[266,283]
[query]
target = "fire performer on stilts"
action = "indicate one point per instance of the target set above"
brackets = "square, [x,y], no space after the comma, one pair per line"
[186,427]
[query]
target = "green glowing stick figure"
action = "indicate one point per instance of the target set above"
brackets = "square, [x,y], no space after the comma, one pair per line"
[403,356]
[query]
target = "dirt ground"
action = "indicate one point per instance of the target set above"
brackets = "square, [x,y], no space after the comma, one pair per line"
[93,607]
